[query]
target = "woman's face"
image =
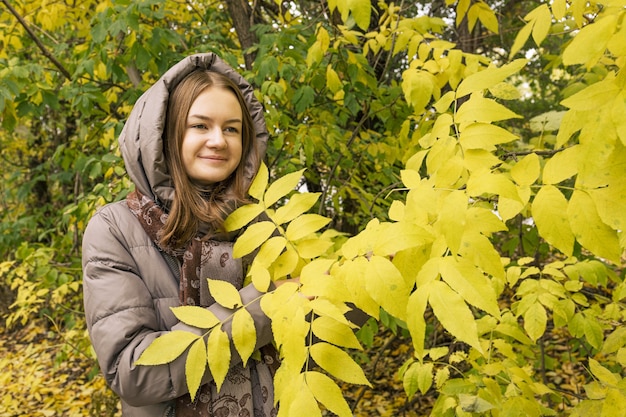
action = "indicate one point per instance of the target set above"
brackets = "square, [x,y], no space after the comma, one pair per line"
[212,144]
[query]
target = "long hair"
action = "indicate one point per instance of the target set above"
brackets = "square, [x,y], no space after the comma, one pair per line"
[192,204]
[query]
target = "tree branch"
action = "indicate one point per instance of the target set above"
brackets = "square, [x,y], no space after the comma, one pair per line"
[39,44]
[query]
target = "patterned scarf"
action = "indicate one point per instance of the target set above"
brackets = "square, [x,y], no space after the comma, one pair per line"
[246,390]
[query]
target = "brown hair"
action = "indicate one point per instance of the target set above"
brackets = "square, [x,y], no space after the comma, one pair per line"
[192,204]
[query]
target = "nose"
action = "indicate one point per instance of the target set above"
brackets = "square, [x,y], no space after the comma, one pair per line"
[215,139]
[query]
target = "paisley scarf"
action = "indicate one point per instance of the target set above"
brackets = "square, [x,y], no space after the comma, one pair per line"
[247,391]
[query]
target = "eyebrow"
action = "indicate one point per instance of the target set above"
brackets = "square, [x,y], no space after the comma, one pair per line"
[202,117]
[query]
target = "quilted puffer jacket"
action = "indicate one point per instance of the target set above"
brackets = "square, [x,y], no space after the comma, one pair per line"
[129,285]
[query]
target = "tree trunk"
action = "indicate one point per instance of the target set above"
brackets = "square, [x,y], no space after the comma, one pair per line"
[241,15]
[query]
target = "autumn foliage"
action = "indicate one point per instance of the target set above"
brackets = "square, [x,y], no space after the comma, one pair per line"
[455,170]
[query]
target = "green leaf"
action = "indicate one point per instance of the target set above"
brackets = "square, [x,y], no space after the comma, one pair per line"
[252,238]
[332,331]
[489,77]
[337,363]
[195,366]
[297,205]
[242,216]
[535,320]
[196,316]
[224,293]
[244,334]
[549,211]
[453,313]
[218,355]
[327,392]
[589,229]
[167,347]
[281,187]
[418,376]
[305,225]
[259,184]
[385,285]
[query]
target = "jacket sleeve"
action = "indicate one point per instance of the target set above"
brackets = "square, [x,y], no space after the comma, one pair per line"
[121,315]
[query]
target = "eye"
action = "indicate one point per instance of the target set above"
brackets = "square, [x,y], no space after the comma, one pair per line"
[231,129]
[198,126]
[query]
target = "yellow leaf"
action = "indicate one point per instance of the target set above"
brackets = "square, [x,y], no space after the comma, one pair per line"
[594,96]
[480,251]
[481,109]
[470,283]
[484,136]
[281,187]
[561,166]
[218,355]
[313,248]
[451,219]
[590,42]
[244,334]
[535,320]
[418,87]
[242,216]
[304,403]
[224,293]
[416,324]
[286,263]
[252,238]
[489,77]
[167,347]
[195,366]
[305,225]
[589,229]
[521,38]
[526,171]
[270,250]
[297,204]
[410,178]
[332,80]
[195,316]
[386,286]
[337,363]
[485,182]
[542,21]
[260,277]
[259,184]
[603,374]
[454,315]
[332,331]
[327,392]
[361,11]
[399,236]
[549,211]
[326,308]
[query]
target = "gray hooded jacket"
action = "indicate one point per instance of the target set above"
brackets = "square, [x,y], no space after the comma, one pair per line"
[129,285]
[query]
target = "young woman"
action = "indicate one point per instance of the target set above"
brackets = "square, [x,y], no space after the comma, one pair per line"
[192,144]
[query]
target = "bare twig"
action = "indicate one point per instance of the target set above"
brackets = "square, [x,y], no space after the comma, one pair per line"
[38,42]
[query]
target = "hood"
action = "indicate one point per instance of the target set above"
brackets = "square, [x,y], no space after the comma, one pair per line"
[141,139]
